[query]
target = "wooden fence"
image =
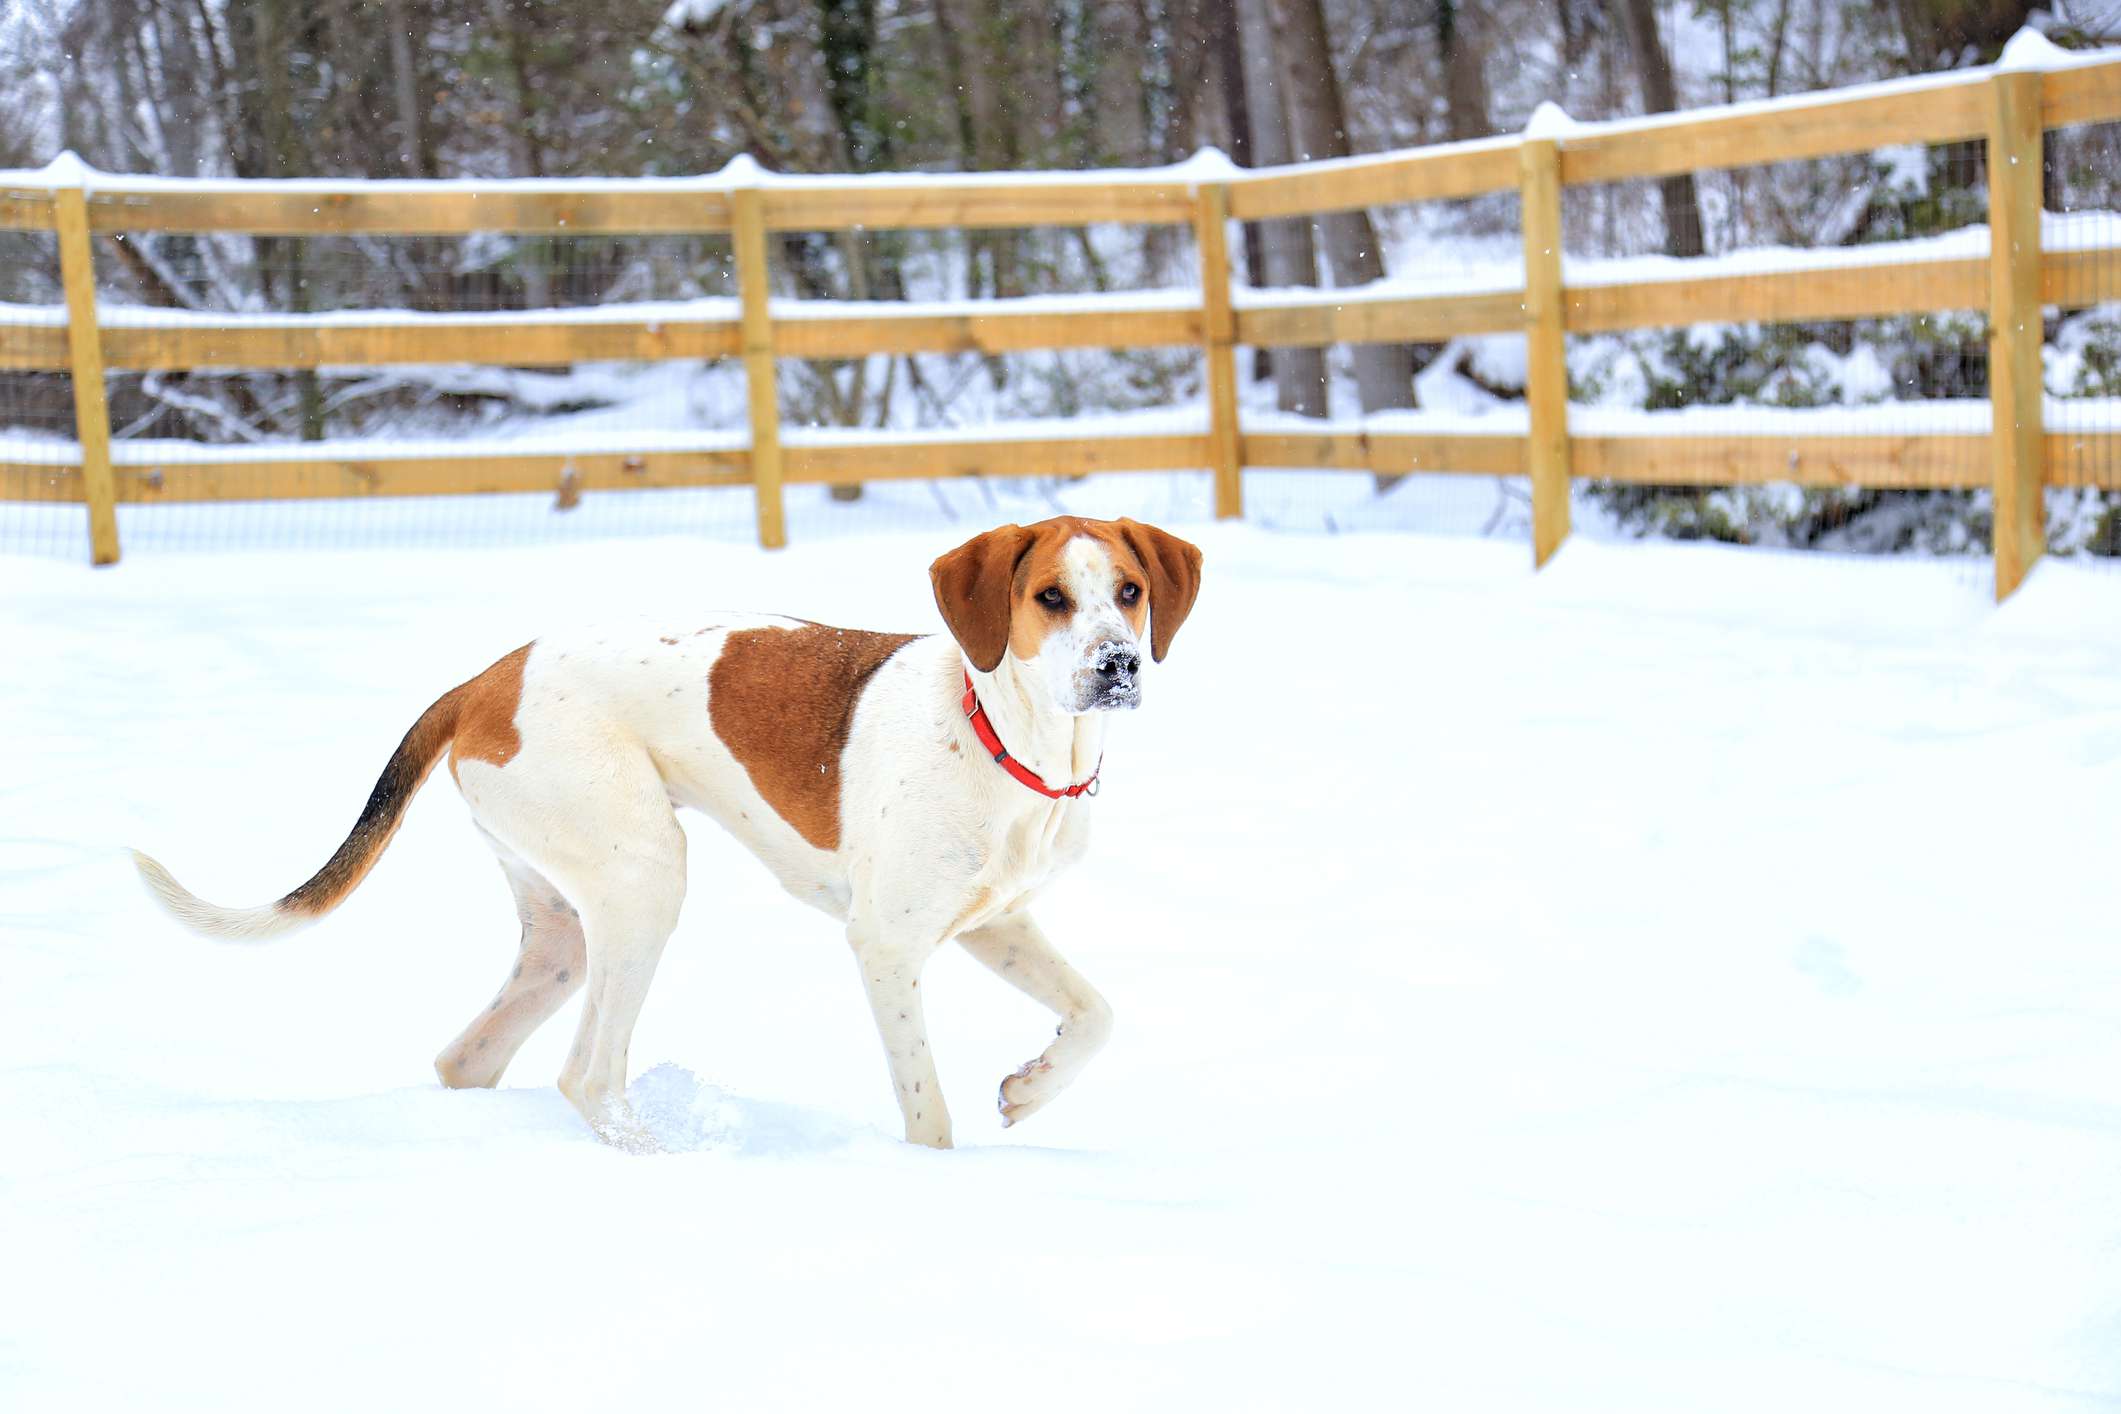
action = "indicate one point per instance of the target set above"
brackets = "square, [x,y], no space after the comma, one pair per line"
[2009,109]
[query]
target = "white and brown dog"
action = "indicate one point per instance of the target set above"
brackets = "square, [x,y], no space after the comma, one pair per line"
[868,771]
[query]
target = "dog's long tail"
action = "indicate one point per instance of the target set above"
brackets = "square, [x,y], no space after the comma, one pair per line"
[402,778]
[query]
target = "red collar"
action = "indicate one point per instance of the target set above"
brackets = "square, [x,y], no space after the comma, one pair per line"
[989,738]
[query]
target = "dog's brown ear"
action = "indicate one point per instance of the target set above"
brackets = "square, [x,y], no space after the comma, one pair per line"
[972,588]
[1173,567]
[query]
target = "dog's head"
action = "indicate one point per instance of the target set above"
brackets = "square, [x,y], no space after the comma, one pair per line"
[1070,599]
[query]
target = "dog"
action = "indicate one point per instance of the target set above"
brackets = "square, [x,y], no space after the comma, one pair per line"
[918,788]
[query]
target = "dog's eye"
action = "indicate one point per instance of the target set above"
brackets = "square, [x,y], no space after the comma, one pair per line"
[1128,593]
[1053,599]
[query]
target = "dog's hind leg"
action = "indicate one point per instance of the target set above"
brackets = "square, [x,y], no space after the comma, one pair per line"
[1019,954]
[588,810]
[629,899]
[627,918]
[550,968]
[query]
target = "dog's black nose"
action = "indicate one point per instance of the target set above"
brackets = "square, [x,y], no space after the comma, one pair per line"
[1120,663]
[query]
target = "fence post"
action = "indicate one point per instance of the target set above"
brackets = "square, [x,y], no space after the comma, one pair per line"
[84,348]
[1218,335]
[2016,441]
[1546,356]
[748,230]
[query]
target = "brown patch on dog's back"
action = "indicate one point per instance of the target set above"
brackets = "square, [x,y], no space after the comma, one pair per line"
[486,713]
[782,700]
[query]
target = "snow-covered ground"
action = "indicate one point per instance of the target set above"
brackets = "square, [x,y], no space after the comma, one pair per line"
[1684,979]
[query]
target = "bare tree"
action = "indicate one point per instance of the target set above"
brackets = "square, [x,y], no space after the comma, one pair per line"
[1682,206]
[1465,74]
[1939,31]
[1221,18]
[413,154]
[1384,373]
[1286,247]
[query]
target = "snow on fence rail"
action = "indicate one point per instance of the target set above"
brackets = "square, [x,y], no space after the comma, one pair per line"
[2035,88]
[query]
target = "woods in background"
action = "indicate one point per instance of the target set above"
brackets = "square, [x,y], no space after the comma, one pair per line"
[560,88]
[381,88]
[552,88]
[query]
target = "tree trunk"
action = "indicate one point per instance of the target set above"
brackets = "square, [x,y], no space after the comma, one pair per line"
[1186,54]
[1221,16]
[1287,254]
[1465,76]
[534,254]
[1384,373]
[847,41]
[1778,46]
[405,89]
[276,41]
[1945,29]
[1117,96]
[1682,207]
[1034,54]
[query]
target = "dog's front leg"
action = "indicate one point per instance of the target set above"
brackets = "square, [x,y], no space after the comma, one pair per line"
[1020,955]
[891,973]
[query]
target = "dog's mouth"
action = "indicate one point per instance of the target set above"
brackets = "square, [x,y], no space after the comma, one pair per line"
[1115,698]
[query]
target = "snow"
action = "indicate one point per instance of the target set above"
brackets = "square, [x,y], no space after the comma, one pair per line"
[709,310]
[1485,416]
[1500,420]
[1906,166]
[66,170]
[1183,421]
[601,438]
[141,316]
[1206,165]
[1604,989]
[683,13]
[1431,277]
[2063,231]
[2030,49]
[1421,281]
[162,451]
[1104,302]
[1551,122]
[1933,416]
[1365,161]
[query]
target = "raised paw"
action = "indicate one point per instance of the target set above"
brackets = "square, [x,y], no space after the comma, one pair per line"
[1024,1091]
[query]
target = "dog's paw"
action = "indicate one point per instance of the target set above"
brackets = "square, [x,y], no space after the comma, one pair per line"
[1023,1091]
[630,1139]
[619,1127]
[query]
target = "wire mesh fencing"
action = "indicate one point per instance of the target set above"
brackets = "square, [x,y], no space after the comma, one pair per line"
[1392,362]
[2082,345]
[40,493]
[338,455]
[1847,407]
[967,381]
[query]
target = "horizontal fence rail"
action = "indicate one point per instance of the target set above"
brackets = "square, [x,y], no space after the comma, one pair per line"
[2014,455]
